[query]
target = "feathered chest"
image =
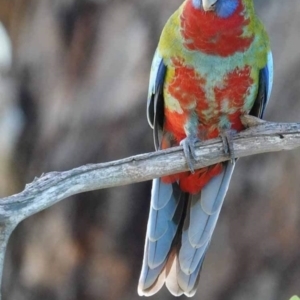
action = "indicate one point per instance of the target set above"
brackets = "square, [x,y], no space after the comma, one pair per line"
[210,34]
[212,70]
[211,95]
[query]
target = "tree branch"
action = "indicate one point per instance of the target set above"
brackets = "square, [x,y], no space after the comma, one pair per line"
[53,187]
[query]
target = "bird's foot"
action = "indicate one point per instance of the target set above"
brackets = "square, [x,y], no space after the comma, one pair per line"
[226,136]
[188,145]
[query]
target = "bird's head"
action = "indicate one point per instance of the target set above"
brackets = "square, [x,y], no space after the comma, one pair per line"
[223,8]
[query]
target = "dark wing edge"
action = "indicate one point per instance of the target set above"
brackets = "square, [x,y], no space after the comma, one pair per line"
[155,102]
[264,89]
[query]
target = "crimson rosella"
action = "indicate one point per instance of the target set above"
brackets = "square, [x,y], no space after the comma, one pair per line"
[212,65]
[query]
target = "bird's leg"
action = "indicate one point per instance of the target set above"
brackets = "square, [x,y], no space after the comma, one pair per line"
[188,145]
[226,136]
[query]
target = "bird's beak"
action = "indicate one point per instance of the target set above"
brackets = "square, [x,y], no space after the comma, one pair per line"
[209,4]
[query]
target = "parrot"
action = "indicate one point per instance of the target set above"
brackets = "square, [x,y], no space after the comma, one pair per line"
[213,64]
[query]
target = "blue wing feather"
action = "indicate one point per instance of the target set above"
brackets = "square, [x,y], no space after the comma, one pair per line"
[269,73]
[264,89]
[157,78]
[266,78]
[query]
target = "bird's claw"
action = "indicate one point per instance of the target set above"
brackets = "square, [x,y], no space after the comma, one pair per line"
[227,141]
[188,145]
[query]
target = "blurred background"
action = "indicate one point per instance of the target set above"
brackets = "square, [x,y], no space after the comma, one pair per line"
[73,85]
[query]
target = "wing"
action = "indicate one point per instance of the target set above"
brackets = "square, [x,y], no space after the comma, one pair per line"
[155,103]
[264,89]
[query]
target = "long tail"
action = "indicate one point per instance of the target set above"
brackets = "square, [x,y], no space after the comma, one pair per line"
[179,231]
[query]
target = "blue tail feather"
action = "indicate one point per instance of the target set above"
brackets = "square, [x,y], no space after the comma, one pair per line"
[159,249]
[161,194]
[162,228]
[187,282]
[198,228]
[183,225]
[149,276]
[203,221]
[210,191]
[189,256]
[160,219]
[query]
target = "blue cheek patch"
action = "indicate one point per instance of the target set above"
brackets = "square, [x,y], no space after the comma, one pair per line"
[225,8]
[197,3]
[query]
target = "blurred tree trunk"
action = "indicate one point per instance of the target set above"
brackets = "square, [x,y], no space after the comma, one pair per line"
[80,73]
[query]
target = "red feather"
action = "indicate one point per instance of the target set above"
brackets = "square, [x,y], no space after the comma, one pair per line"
[210,34]
[214,35]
